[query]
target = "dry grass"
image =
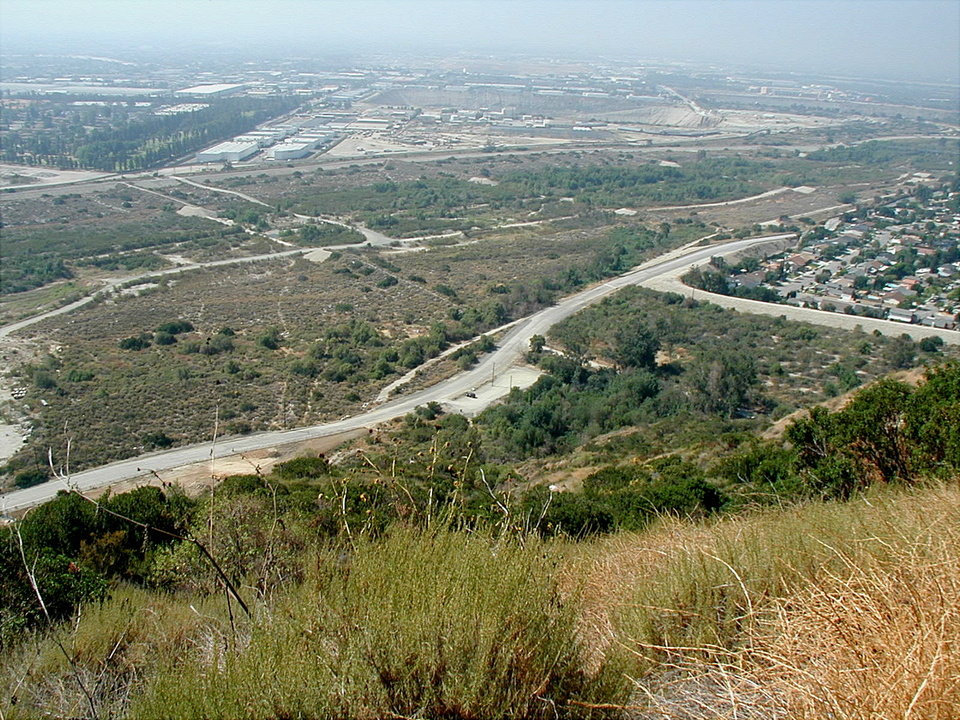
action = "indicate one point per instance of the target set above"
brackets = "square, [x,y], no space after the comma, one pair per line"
[420,624]
[847,611]
[873,642]
[112,646]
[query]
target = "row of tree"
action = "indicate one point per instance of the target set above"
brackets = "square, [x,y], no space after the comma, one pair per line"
[139,141]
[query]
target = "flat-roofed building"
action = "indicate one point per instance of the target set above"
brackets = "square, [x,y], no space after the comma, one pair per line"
[231,151]
[291,150]
[212,89]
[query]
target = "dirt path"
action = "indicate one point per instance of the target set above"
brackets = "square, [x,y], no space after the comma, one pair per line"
[222,191]
[200,476]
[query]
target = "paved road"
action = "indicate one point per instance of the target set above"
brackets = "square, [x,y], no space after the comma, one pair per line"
[222,191]
[497,364]
[670,282]
[660,273]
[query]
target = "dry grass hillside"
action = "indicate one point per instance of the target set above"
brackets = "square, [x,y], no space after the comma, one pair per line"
[848,611]
[844,611]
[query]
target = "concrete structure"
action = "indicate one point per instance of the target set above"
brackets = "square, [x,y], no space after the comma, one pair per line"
[261,140]
[211,90]
[269,135]
[282,131]
[291,150]
[314,139]
[231,151]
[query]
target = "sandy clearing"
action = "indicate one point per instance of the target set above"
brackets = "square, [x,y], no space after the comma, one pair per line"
[317,256]
[197,211]
[519,376]
[200,476]
[44,176]
[12,438]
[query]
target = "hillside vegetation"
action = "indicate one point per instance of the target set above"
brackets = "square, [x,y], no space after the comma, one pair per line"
[430,589]
[837,610]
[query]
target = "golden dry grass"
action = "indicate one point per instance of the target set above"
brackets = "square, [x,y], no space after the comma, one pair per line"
[872,642]
[843,611]
[846,611]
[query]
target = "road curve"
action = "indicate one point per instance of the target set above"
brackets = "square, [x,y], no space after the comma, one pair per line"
[497,364]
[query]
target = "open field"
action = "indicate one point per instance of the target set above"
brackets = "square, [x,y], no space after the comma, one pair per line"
[114,232]
[313,308]
[561,205]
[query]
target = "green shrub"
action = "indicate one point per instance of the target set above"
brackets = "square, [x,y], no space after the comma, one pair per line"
[157,440]
[175,327]
[270,339]
[136,342]
[29,478]
[436,624]
[44,380]
[242,485]
[302,467]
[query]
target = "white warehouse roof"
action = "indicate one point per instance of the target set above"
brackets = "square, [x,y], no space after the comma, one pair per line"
[233,146]
[210,89]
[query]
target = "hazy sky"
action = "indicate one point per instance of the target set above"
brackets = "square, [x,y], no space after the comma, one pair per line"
[894,38]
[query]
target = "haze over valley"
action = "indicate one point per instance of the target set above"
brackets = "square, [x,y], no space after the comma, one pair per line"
[325,327]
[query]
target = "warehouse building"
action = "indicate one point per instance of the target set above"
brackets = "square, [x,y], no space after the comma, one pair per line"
[228,152]
[260,140]
[211,90]
[291,150]
[315,139]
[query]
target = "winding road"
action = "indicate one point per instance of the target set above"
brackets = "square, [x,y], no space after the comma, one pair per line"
[495,368]
[497,365]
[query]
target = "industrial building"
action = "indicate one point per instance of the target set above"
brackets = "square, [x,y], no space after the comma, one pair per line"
[261,140]
[211,90]
[228,152]
[315,139]
[291,150]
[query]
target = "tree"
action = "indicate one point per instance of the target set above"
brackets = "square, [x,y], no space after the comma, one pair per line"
[722,382]
[901,352]
[823,467]
[933,420]
[931,344]
[707,280]
[865,442]
[635,346]
[59,525]
[871,429]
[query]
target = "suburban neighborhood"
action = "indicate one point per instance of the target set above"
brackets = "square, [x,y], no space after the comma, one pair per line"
[897,259]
